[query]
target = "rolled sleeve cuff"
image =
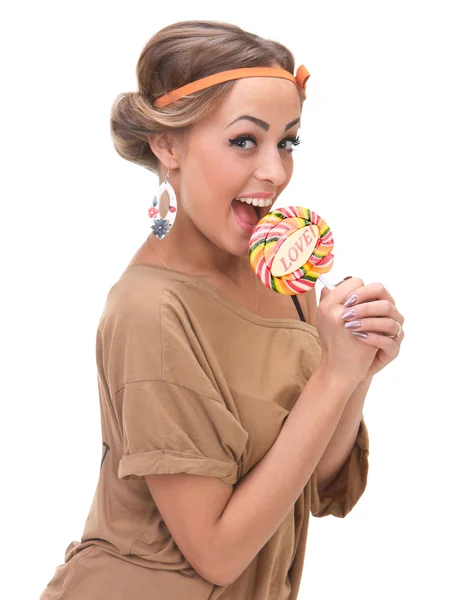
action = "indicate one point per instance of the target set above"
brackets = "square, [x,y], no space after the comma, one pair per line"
[340,497]
[165,461]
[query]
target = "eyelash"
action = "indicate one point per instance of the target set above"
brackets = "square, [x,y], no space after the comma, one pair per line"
[295,141]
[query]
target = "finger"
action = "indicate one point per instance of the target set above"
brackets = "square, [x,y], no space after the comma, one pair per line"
[369,293]
[342,291]
[345,279]
[381,325]
[325,291]
[389,347]
[377,308]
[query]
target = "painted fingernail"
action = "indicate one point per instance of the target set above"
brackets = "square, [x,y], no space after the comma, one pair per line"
[353,324]
[345,279]
[349,313]
[360,334]
[350,301]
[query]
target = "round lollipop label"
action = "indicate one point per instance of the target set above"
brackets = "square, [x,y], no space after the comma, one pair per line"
[290,248]
[295,251]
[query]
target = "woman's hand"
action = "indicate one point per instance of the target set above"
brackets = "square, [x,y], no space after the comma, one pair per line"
[373,313]
[343,356]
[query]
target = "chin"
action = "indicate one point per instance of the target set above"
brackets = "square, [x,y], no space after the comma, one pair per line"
[241,250]
[232,246]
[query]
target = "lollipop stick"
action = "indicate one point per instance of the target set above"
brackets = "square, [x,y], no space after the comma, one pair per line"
[326,283]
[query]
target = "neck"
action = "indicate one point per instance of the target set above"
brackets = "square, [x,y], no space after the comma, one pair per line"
[227,283]
[192,253]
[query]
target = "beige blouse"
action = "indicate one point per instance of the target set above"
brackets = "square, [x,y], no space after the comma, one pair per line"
[190,382]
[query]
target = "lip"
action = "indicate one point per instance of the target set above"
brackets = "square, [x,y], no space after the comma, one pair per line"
[257,195]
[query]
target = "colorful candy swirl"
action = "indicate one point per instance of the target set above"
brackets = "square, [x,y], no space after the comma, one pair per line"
[268,237]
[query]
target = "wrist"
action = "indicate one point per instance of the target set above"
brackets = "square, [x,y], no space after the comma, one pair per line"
[336,380]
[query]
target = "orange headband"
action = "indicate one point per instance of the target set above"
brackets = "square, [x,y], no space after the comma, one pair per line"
[302,75]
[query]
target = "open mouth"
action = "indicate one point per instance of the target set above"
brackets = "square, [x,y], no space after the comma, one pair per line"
[249,212]
[262,211]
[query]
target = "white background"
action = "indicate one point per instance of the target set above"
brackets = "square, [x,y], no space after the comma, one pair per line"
[378,160]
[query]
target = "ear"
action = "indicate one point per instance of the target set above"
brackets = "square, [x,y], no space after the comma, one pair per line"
[166,146]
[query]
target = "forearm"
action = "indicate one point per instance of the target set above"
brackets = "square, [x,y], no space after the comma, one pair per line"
[343,439]
[263,498]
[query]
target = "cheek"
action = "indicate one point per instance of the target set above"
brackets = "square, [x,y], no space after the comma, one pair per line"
[288,167]
[219,169]
[210,178]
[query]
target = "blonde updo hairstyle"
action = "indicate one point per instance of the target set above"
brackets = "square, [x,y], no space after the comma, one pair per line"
[179,54]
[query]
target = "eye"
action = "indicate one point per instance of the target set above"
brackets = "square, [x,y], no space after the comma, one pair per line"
[295,141]
[243,139]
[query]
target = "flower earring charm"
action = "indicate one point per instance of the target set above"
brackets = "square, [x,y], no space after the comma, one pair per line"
[160,226]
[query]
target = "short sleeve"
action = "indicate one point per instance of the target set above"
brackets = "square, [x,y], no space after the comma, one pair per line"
[340,497]
[171,428]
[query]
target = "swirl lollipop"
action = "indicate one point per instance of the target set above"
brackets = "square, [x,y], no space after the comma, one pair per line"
[290,248]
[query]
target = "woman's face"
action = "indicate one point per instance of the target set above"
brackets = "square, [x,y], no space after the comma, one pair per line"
[227,156]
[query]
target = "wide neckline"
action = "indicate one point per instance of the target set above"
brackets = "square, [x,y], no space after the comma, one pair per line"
[229,304]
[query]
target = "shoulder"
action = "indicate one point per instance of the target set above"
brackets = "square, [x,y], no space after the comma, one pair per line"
[141,290]
[142,307]
[145,331]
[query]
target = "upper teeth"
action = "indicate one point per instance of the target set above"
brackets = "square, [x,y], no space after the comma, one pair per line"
[257,201]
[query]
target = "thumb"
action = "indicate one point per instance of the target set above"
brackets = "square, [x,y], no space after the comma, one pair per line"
[325,291]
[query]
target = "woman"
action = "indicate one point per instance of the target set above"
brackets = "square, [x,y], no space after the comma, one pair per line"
[229,412]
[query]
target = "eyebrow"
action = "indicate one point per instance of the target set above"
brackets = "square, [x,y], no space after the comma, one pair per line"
[263,124]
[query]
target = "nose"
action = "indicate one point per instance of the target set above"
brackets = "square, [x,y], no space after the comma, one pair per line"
[271,167]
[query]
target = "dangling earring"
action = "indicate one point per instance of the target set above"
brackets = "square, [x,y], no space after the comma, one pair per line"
[160,226]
